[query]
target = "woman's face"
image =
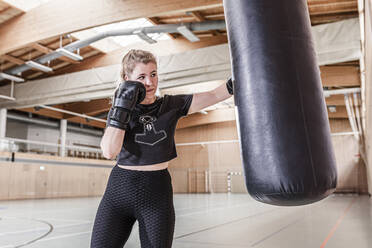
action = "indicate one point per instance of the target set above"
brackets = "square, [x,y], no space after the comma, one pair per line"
[146,74]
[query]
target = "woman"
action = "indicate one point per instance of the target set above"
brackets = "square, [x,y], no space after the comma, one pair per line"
[140,130]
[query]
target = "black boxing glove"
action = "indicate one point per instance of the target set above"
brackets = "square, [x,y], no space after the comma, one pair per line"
[229,86]
[126,97]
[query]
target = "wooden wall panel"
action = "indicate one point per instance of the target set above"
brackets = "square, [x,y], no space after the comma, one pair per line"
[196,181]
[219,159]
[211,132]
[218,181]
[28,180]
[195,157]
[340,125]
[101,176]
[225,156]
[238,183]
[349,167]
[4,180]
[179,180]
[22,181]
[362,178]
[191,182]
[41,185]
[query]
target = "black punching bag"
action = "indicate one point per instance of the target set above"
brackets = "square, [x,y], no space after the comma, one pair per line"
[281,113]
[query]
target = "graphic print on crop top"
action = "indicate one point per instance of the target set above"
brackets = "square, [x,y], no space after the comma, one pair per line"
[150,138]
[150,135]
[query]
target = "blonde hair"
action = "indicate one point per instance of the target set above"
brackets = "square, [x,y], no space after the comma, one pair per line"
[133,57]
[129,61]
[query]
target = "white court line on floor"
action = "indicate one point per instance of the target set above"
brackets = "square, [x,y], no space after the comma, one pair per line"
[286,226]
[47,239]
[35,239]
[187,208]
[62,236]
[207,210]
[46,211]
[208,243]
[214,209]
[182,215]
[237,220]
[277,231]
[41,229]
[227,223]
[75,234]
[70,220]
[89,222]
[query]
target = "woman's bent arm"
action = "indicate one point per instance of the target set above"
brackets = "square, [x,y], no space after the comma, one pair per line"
[112,142]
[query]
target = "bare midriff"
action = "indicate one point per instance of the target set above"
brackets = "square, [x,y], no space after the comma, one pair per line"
[151,167]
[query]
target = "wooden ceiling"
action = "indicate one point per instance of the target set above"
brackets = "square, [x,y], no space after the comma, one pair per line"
[321,11]
[326,11]
[8,12]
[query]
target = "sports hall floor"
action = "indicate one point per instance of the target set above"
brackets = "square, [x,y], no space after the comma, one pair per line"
[202,221]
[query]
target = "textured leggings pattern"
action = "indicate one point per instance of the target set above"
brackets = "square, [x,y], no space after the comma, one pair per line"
[143,196]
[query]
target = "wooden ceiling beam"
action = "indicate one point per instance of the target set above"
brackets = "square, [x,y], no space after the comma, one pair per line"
[340,113]
[43,112]
[90,108]
[325,2]
[41,48]
[12,59]
[5,10]
[335,100]
[331,8]
[322,19]
[60,115]
[198,16]
[88,122]
[84,14]
[34,75]
[197,119]
[340,76]
[338,100]
[175,19]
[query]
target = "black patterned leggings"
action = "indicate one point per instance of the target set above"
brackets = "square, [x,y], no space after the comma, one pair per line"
[145,196]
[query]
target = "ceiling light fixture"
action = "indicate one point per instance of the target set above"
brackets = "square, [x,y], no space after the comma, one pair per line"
[11,77]
[69,54]
[188,34]
[38,66]
[144,36]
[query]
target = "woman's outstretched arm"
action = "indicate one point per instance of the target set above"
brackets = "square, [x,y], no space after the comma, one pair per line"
[209,98]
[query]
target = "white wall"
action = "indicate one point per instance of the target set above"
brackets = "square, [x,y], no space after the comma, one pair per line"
[368,90]
[17,130]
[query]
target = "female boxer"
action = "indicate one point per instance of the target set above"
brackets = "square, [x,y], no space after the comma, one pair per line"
[140,130]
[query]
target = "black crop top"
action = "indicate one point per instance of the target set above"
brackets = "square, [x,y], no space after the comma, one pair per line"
[150,138]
